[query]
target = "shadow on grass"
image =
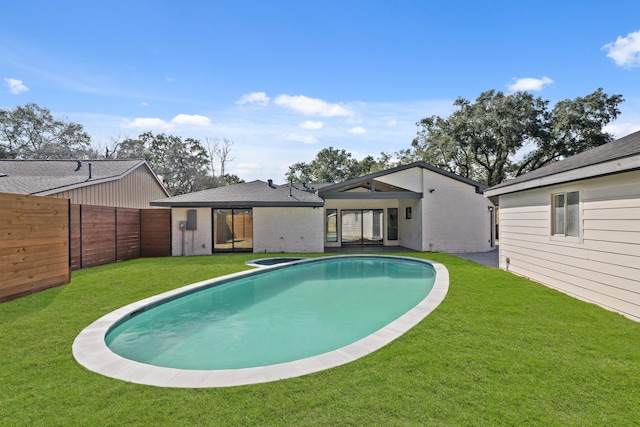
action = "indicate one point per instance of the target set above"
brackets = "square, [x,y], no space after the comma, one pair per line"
[29,304]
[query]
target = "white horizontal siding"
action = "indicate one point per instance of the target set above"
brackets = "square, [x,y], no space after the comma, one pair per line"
[603,265]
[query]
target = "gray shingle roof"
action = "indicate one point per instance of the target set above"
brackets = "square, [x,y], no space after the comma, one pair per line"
[44,177]
[624,147]
[245,195]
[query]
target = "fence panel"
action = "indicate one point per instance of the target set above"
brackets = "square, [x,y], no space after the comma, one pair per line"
[75,235]
[128,233]
[34,244]
[155,231]
[98,235]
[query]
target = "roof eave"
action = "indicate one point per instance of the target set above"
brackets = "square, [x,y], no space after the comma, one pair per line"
[236,205]
[592,171]
[331,188]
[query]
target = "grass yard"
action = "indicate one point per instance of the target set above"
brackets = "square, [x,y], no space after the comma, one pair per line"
[499,350]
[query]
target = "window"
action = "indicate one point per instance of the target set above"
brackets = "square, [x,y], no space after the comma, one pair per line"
[232,230]
[565,220]
[392,223]
[407,212]
[332,225]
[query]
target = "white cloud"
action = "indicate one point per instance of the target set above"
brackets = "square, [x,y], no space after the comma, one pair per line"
[307,139]
[144,104]
[358,130]
[155,123]
[312,106]
[148,123]
[170,79]
[258,98]
[618,130]
[625,51]
[15,86]
[191,120]
[310,124]
[528,83]
[392,122]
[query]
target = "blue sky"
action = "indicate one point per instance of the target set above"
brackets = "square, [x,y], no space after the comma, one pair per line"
[284,79]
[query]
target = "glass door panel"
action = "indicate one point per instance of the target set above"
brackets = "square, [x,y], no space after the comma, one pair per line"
[232,230]
[362,227]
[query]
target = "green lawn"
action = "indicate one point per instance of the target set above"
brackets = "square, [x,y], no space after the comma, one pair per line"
[499,350]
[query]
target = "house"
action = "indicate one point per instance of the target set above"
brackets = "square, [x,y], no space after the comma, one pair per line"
[415,206]
[575,225]
[118,183]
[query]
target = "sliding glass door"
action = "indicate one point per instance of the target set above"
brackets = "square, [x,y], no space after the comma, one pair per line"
[362,227]
[232,230]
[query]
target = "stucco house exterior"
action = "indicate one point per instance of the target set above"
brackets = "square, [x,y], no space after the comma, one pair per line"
[415,206]
[575,225]
[117,183]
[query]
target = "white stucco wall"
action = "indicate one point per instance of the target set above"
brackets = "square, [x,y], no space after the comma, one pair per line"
[410,230]
[188,242]
[455,218]
[410,179]
[288,229]
[602,265]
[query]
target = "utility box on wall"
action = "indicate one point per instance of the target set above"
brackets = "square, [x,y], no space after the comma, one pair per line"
[192,219]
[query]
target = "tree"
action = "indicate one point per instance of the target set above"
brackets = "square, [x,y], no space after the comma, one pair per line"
[576,126]
[334,165]
[31,132]
[182,165]
[483,140]
[220,149]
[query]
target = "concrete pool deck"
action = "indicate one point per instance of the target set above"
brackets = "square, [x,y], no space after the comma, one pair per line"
[91,351]
[490,259]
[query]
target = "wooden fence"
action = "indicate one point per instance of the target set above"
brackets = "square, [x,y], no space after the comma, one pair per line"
[34,244]
[104,235]
[43,238]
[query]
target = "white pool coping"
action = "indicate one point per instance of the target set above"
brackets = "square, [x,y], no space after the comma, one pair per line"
[91,351]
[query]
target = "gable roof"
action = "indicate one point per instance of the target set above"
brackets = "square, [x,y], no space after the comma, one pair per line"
[46,177]
[614,157]
[246,195]
[363,180]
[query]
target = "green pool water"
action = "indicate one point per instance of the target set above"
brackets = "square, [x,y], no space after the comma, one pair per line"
[278,315]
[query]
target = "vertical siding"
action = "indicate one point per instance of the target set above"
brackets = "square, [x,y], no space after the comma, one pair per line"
[135,190]
[603,265]
[34,244]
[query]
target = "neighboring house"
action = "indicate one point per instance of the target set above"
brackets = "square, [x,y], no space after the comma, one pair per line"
[118,183]
[575,225]
[416,206]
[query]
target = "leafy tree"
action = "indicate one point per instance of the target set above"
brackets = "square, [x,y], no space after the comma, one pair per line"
[231,179]
[482,140]
[575,126]
[182,165]
[31,132]
[334,165]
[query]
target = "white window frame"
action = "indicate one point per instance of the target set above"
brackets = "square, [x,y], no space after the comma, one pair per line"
[566,214]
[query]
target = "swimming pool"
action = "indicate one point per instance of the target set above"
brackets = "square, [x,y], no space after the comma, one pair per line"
[253,327]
